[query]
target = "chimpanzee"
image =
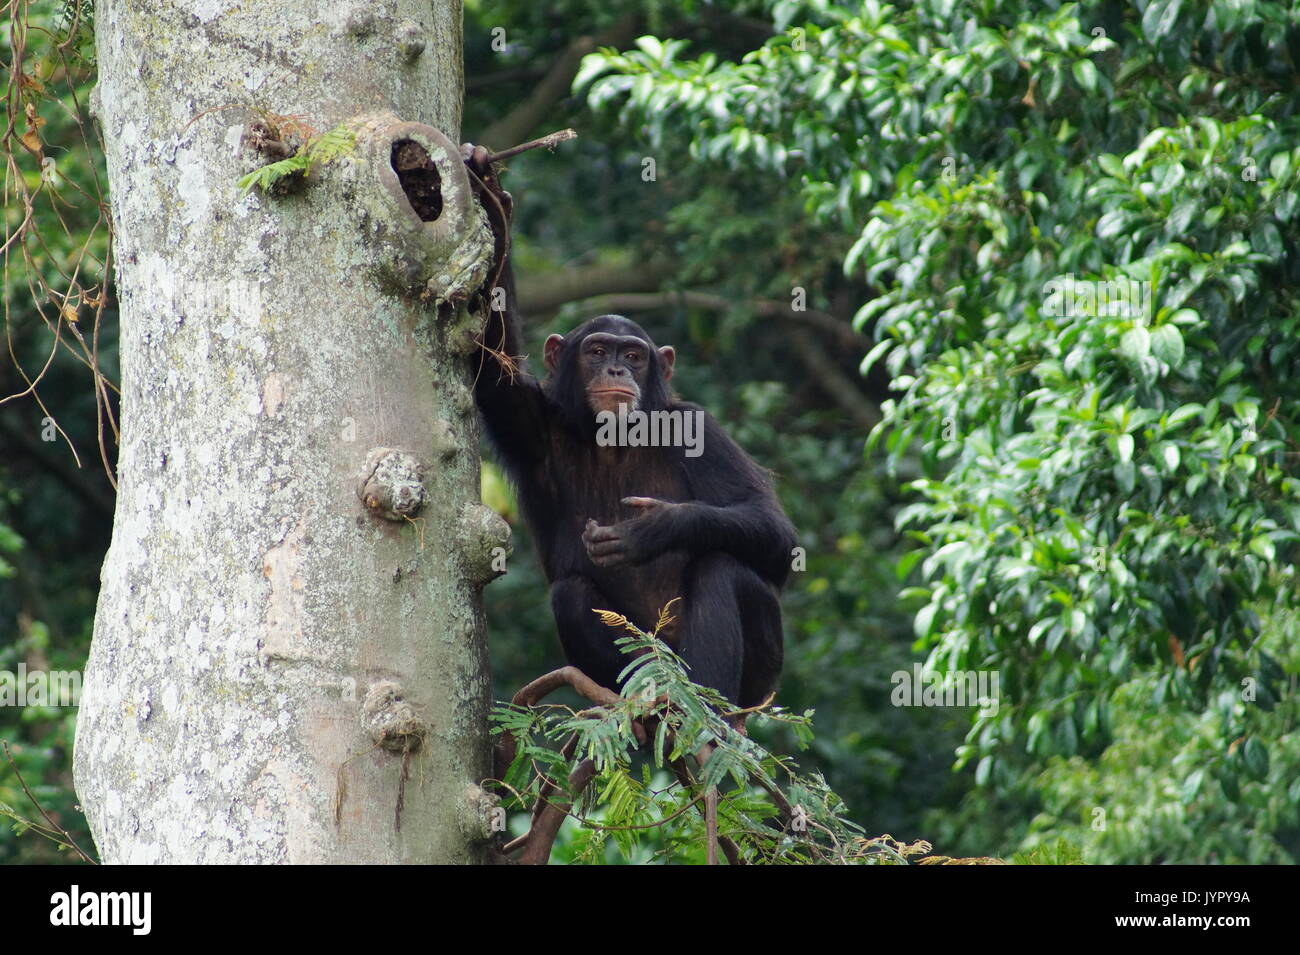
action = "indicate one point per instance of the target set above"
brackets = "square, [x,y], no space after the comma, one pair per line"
[627,528]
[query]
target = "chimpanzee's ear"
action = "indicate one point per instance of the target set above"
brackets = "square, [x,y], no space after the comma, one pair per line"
[666,358]
[551,352]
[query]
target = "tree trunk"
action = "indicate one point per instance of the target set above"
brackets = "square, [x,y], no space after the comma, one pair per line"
[288,662]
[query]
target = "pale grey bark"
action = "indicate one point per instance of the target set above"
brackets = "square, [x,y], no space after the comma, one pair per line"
[275,664]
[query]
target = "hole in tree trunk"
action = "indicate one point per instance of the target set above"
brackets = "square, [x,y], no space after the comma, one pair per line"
[419,178]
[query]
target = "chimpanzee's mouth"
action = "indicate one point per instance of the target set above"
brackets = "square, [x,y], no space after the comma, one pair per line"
[614,391]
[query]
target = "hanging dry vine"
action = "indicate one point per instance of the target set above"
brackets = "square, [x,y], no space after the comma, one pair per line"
[56,257]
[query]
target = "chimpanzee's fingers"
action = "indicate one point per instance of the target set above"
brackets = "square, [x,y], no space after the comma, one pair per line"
[643,502]
[605,548]
[598,532]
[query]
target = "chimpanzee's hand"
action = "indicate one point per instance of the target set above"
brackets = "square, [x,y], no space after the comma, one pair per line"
[627,542]
[476,158]
[484,179]
[608,545]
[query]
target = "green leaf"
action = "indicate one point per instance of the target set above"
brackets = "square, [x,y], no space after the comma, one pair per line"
[1169,454]
[1125,477]
[1112,165]
[1266,240]
[1231,788]
[1182,415]
[651,46]
[1192,786]
[907,562]
[1067,737]
[1158,20]
[1086,74]
[1255,756]
[1263,546]
[924,622]
[1135,344]
[1167,345]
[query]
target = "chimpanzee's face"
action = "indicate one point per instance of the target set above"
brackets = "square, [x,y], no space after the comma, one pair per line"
[606,364]
[613,370]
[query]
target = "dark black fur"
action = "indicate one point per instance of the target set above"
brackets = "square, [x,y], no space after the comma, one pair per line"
[726,551]
[723,544]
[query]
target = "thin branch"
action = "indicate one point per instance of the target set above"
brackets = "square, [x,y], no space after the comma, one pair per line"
[844,390]
[687,779]
[538,690]
[544,293]
[769,308]
[541,837]
[75,479]
[72,843]
[549,141]
[569,676]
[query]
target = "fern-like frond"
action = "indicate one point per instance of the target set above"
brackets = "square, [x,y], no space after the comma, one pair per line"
[338,142]
[665,618]
[611,619]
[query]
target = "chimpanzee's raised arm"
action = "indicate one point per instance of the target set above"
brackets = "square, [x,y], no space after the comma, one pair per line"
[514,408]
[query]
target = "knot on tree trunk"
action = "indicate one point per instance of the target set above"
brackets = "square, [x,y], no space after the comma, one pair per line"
[483,537]
[392,484]
[391,719]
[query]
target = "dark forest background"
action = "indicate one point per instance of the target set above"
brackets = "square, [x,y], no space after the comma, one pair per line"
[856,218]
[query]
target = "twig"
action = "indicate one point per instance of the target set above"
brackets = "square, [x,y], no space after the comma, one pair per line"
[687,779]
[550,786]
[41,809]
[550,141]
[542,834]
[711,824]
[543,686]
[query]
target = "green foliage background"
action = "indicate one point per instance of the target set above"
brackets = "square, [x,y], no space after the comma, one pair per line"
[1106,498]
[1101,505]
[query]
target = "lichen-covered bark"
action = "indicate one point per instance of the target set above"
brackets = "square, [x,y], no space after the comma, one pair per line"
[275,664]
